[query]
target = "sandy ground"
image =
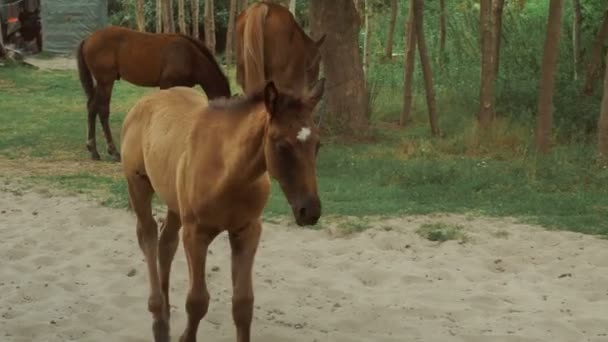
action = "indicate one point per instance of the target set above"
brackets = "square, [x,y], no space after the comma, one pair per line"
[55,63]
[72,271]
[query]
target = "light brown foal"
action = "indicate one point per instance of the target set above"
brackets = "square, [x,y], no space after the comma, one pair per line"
[211,164]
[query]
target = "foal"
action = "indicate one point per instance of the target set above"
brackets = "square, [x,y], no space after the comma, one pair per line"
[211,164]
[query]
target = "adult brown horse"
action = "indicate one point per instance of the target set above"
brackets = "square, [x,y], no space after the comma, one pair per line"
[271,45]
[211,164]
[143,59]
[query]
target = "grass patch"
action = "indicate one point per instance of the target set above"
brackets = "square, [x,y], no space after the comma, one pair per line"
[442,232]
[403,171]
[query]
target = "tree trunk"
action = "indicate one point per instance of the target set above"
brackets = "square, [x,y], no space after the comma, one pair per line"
[442,31]
[367,43]
[194,7]
[209,25]
[292,7]
[230,32]
[346,93]
[486,90]
[596,55]
[181,15]
[576,36]
[426,66]
[242,6]
[388,49]
[410,59]
[497,10]
[159,16]
[168,23]
[602,126]
[547,80]
[140,16]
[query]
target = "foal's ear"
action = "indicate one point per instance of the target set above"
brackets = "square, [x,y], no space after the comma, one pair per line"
[316,92]
[271,95]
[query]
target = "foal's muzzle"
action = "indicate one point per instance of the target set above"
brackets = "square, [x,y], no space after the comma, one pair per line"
[307,211]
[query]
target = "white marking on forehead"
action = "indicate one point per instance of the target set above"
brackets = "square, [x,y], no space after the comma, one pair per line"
[303,134]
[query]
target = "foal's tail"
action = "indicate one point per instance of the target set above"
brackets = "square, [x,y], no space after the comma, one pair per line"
[253,47]
[86,79]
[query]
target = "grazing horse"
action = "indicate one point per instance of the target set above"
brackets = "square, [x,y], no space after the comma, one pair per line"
[211,164]
[143,59]
[271,45]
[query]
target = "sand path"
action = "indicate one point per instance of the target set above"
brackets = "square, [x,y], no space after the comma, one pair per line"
[67,275]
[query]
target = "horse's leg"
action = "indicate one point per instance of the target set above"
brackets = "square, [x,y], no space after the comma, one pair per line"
[196,243]
[91,114]
[105,95]
[244,245]
[140,195]
[169,234]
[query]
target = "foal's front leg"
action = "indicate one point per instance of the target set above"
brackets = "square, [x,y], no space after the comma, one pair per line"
[196,241]
[244,245]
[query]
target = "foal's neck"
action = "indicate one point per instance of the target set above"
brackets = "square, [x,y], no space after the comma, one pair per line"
[248,162]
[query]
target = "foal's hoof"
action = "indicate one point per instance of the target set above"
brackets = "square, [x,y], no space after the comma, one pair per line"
[160,329]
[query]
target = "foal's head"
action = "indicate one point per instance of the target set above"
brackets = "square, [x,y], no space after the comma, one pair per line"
[291,147]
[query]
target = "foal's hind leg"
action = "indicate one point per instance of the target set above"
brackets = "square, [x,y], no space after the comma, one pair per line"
[140,195]
[169,239]
[91,114]
[104,95]
[244,244]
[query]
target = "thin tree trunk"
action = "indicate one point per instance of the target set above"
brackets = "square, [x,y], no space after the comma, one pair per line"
[367,43]
[230,32]
[497,10]
[545,94]
[596,55]
[292,7]
[410,59]
[181,15]
[209,25]
[486,90]
[242,6]
[602,126]
[346,94]
[576,36]
[442,31]
[426,66]
[139,15]
[167,11]
[194,7]
[159,16]
[388,50]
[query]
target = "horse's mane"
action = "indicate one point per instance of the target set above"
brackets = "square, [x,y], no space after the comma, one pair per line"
[205,51]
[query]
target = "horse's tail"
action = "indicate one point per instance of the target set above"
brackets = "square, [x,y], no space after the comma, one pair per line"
[86,79]
[253,47]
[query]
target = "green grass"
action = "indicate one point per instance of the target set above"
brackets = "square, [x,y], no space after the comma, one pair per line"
[42,118]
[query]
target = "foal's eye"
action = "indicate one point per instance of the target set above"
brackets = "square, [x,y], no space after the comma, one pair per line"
[283,147]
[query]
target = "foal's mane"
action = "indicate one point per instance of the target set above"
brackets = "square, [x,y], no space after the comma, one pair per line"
[245,103]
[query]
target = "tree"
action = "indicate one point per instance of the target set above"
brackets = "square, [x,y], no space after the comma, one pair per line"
[602,126]
[194,8]
[181,16]
[547,80]
[497,9]
[442,31]
[410,58]
[596,55]
[209,25]
[388,49]
[576,35]
[346,94]
[167,12]
[159,16]
[139,15]
[486,90]
[367,43]
[426,66]
[242,5]
[230,32]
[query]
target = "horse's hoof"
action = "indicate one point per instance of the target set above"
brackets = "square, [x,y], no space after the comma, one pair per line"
[160,328]
[95,156]
[116,156]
